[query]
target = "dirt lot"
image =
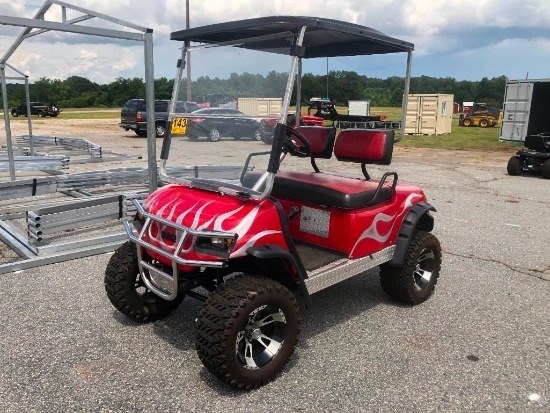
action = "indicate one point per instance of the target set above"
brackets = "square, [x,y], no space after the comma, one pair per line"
[105,132]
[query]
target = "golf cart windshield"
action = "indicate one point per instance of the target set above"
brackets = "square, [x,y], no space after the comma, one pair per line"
[243,75]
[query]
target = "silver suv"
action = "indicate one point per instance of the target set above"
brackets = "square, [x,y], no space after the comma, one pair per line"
[134,116]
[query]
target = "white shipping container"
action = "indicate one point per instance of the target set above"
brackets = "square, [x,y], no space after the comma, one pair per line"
[429,114]
[260,106]
[526,104]
[359,107]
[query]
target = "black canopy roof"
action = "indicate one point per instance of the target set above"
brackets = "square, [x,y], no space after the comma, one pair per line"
[323,37]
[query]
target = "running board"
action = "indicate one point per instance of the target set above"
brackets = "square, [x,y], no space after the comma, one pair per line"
[345,268]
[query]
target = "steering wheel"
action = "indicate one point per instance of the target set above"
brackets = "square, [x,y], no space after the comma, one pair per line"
[302,149]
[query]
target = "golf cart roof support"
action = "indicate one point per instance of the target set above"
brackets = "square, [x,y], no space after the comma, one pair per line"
[323,38]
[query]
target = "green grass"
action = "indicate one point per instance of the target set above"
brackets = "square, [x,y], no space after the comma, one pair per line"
[460,138]
[81,114]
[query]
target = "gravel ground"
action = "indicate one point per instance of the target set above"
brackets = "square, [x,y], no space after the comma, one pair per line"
[480,344]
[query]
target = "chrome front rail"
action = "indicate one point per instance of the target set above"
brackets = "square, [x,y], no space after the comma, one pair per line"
[170,291]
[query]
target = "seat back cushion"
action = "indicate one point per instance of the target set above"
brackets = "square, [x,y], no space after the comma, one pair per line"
[368,146]
[321,140]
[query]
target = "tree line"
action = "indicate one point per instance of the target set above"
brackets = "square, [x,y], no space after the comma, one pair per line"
[79,92]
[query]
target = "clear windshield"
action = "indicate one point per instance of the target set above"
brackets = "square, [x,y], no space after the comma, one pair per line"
[227,113]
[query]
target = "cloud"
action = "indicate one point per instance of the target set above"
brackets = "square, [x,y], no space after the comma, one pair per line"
[457,31]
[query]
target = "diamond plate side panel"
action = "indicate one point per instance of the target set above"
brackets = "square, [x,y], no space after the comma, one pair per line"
[325,277]
[315,221]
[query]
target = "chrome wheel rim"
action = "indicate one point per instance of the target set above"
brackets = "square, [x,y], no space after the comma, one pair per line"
[214,135]
[262,337]
[258,135]
[424,268]
[160,130]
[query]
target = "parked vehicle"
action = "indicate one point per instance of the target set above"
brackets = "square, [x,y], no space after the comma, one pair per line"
[535,157]
[216,123]
[324,107]
[37,108]
[481,115]
[267,125]
[246,233]
[133,115]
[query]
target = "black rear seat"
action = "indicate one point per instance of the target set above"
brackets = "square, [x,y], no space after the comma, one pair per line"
[363,146]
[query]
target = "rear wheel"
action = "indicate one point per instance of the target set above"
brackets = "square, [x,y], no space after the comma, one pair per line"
[467,122]
[545,169]
[257,136]
[484,123]
[247,330]
[14,113]
[214,135]
[515,166]
[127,292]
[415,280]
[41,114]
[141,132]
[192,137]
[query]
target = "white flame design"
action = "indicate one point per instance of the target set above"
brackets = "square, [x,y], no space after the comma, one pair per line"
[241,228]
[242,250]
[372,232]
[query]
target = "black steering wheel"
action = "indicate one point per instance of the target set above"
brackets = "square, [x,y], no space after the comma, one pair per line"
[302,149]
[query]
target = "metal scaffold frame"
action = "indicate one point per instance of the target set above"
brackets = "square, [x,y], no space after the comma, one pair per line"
[140,33]
[43,239]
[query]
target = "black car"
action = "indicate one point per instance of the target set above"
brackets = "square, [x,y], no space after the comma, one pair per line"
[222,122]
[37,108]
[134,115]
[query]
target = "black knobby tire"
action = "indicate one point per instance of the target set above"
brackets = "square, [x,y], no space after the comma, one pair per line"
[228,329]
[415,280]
[515,166]
[545,169]
[127,292]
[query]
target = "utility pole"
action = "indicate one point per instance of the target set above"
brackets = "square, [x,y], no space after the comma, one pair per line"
[188,57]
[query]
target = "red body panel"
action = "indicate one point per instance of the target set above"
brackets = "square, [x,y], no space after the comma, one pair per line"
[359,232]
[255,222]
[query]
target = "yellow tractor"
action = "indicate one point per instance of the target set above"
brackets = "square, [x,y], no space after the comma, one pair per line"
[481,115]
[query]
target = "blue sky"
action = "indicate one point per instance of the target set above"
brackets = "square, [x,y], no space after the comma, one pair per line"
[465,40]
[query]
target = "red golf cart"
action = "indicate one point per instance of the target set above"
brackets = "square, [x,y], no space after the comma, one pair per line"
[249,233]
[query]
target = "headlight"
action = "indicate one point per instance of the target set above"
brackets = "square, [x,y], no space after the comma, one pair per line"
[217,246]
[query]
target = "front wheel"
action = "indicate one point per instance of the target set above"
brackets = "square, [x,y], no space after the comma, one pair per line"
[484,123]
[14,113]
[415,280]
[515,166]
[41,115]
[214,135]
[127,292]
[257,136]
[467,122]
[247,330]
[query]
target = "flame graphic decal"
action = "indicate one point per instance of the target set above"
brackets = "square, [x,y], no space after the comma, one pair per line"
[242,250]
[217,222]
[372,232]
